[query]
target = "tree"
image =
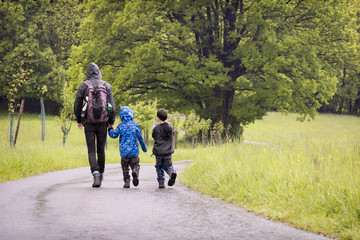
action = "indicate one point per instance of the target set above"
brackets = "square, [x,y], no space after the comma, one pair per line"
[36,33]
[192,126]
[177,121]
[217,130]
[347,97]
[230,60]
[18,80]
[62,25]
[67,111]
[205,126]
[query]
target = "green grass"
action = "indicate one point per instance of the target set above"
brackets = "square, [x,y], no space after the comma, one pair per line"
[32,157]
[308,176]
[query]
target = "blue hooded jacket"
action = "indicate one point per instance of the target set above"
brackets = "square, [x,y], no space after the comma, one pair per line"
[129,132]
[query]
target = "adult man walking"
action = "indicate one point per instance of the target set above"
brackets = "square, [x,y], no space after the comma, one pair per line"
[94,109]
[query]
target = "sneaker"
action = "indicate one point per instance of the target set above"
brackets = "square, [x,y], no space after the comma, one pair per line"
[97,180]
[172,179]
[135,179]
[161,185]
[127,184]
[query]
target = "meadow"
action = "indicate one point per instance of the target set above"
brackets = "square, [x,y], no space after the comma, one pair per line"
[32,157]
[305,174]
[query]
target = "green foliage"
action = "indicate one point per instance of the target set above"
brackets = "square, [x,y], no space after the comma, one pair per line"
[177,121]
[18,80]
[217,131]
[192,125]
[66,112]
[145,115]
[40,34]
[230,61]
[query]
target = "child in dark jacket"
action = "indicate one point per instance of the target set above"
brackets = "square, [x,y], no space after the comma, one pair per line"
[129,132]
[163,137]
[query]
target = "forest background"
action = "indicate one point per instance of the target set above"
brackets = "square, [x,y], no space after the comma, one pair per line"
[229,61]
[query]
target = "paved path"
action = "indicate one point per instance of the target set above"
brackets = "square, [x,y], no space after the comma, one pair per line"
[62,205]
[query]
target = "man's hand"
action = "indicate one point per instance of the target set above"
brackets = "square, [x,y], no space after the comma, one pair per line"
[110,126]
[80,126]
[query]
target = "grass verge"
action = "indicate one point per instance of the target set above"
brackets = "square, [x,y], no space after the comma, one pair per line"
[309,176]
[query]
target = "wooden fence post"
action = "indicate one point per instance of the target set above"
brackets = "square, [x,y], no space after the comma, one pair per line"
[19,118]
[42,116]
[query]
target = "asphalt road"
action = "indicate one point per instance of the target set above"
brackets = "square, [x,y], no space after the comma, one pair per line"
[63,205]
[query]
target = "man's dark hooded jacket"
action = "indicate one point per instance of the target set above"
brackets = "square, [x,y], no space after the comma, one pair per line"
[163,135]
[93,74]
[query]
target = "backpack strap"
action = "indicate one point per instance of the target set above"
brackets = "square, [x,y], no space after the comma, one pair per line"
[89,85]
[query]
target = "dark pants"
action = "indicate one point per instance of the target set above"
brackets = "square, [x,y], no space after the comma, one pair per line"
[133,163]
[163,164]
[95,135]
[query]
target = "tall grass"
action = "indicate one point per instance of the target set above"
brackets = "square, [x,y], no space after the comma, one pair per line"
[308,175]
[31,156]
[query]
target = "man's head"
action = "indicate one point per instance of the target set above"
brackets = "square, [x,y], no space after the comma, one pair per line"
[162,114]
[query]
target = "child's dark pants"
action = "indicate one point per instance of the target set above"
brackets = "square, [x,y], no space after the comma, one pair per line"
[163,164]
[133,163]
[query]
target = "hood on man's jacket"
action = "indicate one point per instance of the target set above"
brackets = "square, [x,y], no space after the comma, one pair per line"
[93,72]
[126,114]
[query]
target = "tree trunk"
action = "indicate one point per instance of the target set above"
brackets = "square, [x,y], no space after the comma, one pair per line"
[203,139]
[19,118]
[175,139]
[227,100]
[356,105]
[341,104]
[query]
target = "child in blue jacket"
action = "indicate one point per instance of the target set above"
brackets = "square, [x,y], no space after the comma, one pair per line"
[129,132]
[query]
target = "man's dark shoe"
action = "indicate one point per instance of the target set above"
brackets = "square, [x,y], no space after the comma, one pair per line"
[97,180]
[127,184]
[172,179]
[101,177]
[161,185]
[135,179]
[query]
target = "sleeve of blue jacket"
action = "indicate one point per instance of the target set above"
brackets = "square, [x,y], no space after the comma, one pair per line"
[114,133]
[140,138]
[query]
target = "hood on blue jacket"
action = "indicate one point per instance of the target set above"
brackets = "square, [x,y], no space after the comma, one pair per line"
[93,72]
[126,114]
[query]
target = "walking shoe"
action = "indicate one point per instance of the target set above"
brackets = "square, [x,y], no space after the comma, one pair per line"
[127,184]
[97,180]
[161,185]
[135,179]
[101,177]
[172,179]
